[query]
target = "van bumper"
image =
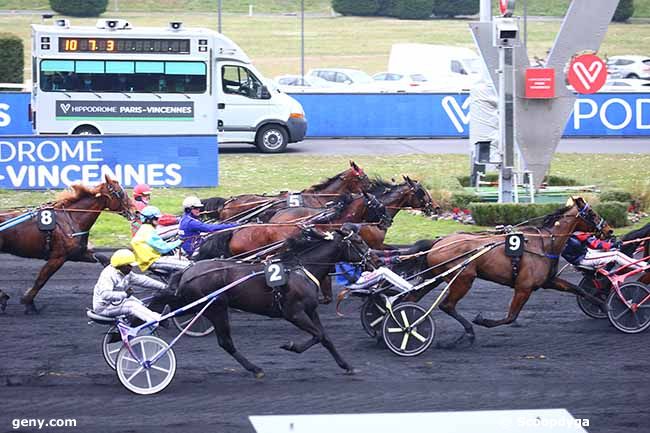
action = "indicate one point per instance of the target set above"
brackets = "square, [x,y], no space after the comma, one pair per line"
[297,129]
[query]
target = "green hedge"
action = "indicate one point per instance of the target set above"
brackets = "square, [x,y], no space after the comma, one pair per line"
[356,7]
[463,199]
[624,11]
[491,214]
[79,8]
[411,9]
[452,8]
[614,212]
[549,180]
[615,195]
[11,59]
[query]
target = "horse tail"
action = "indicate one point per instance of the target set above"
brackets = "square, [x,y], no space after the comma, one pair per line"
[213,206]
[216,245]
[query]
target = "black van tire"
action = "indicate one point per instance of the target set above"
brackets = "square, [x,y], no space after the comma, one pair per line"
[272,139]
[85,130]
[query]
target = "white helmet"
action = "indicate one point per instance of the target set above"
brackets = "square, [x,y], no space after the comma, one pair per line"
[192,201]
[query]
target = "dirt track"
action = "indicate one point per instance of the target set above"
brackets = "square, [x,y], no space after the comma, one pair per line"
[555,357]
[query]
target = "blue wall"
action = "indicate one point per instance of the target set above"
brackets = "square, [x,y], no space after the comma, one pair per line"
[411,115]
[41,162]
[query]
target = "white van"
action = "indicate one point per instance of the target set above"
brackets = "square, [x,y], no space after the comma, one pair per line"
[455,66]
[117,79]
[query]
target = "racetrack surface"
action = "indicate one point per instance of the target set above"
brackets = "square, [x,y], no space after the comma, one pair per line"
[554,357]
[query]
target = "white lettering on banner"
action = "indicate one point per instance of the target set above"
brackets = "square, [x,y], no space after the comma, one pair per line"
[626,107]
[65,163]
[577,111]
[639,114]
[456,112]
[5,118]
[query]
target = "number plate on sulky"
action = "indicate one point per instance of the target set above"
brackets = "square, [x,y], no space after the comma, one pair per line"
[515,245]
[46,219]
[275,275]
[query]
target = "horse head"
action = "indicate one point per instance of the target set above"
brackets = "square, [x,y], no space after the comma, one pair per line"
[355,179]
[376,211]
[356,250]
[420,197]
[117,199]
[588,219]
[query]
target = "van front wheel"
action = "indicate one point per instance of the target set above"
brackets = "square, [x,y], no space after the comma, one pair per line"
[272,139]
[85,130]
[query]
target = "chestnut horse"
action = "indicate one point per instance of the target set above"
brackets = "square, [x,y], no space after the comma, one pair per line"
[352,180]
[74,212]
[537,267]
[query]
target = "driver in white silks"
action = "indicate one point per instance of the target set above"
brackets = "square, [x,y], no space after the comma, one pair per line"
[112,295]
[376,276]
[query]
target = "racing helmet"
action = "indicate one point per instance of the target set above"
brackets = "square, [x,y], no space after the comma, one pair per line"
[191,201]
[141,190]
[150,213]
[123,257]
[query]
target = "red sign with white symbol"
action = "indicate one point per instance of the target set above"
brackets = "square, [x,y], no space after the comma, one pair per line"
[540,83]
[587,73]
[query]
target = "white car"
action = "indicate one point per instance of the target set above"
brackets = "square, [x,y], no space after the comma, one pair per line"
[392,81]
[629,85]
[629,67]
[342,76]
[298,83]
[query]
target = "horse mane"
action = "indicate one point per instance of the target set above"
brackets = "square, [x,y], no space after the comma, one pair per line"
[298,244]
[379,186]
[551,219]
[324,184]
[75,193]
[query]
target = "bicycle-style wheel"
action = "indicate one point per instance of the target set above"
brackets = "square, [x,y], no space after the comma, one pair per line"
[137,372]
[591,309]
[111,345]
[404,339]
[201,327]
[636,317]
[372,316]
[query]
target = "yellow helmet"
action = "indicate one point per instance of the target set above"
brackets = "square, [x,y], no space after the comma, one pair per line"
[122,257]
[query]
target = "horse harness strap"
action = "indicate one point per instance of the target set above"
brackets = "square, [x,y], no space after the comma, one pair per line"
[311,277]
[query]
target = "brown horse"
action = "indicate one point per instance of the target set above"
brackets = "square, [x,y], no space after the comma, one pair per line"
[352,180]
[74,212]
[536,269]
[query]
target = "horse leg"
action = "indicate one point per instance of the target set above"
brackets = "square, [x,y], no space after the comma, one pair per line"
[459,289]
[565,286]
[218,315]
[46,272]
[3,301]
[518,301]
[326,290]
[89,256]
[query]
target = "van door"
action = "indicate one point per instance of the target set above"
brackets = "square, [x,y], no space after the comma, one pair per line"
[241,105]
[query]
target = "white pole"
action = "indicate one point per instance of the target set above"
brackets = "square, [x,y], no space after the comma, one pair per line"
[219,15]
[486,11]
[250,10]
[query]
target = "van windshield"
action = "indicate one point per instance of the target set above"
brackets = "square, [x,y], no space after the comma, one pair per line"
[473,65]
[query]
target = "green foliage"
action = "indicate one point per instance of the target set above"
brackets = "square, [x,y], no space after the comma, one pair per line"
[614,212]
[356,7]
[452,8]
[491,214]
[11,58]
[463,199]
[615,195]
[411,9]
[624,11]
[79,8]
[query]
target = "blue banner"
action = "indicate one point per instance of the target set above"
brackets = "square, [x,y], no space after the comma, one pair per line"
[43,162]
[613,114]
[14,114]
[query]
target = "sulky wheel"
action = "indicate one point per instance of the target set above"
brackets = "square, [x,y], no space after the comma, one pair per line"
[592,310]
[111,345]
[635,318]
[136,370]
[201,328]
[401,338]
[372,315]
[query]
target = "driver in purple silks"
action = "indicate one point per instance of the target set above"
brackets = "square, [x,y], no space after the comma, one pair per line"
[190,227]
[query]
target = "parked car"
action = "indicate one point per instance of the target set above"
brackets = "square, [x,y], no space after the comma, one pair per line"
[342,76]
[629,67]
[393,81]
[298,83]
[630,85]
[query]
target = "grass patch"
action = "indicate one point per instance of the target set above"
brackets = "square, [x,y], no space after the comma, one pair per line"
[273,42]
[273,173]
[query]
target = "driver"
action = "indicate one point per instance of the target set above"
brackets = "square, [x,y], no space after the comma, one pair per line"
[148,246]
[112,295]
[191,227]
[585,249]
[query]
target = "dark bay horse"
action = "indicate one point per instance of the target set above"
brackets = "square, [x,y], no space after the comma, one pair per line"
[352,180]
[308,258]
[537,267]
[74,212]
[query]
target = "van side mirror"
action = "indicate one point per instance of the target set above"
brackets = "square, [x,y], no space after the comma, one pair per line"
[265,94]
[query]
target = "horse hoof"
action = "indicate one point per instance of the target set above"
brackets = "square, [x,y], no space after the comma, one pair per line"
[479,320]
[325,301]
[102,259]
[259,374]
[3,301]
[351,371]
[31,309]
[290,346]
